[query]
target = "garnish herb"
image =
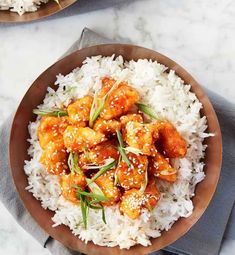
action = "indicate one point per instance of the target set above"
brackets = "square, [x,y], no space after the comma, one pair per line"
[94,187]
[119,137]
[103,215]
[115,179]
[87,200]
[86,153]
[50,112]
[133,150]
[124,156]
[115,174]
[144,184]
[147,110]
[95,166]
[96,197]
[73,163]
[94,207]
[121,148]
[102,171]
[84,209]
[96,110]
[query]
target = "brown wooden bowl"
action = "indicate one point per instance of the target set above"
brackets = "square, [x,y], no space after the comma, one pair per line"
[44,11]
[19,146]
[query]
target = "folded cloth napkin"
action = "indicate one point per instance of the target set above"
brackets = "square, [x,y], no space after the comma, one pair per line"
[82,6]
[204,238]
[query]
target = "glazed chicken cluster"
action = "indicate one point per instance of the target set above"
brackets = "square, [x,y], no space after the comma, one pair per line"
[118,134]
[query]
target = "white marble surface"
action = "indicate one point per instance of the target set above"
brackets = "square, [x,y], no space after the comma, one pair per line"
[199,35]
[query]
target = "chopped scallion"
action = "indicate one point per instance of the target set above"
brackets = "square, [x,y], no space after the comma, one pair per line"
[133,150]
[147,110]
[73,163]
[102,171]
[96,197]
[86,202]
[96,110]
[121,148]
[103,215]
[50,112]
[145,182]
[124,156]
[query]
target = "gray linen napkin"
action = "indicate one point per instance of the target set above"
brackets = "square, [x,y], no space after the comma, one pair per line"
[204,238]
[83,6]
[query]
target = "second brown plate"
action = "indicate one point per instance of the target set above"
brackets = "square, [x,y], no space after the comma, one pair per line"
[44,11]
[19,145]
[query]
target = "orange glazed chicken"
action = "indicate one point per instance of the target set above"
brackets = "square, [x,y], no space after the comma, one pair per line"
[79,111]
[51,129]
[107,153]
[119,101]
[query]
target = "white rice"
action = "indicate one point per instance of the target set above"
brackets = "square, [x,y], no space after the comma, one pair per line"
[21,6]
[170,98]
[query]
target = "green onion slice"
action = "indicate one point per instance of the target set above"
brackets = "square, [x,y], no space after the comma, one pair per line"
[133,150]
[102,171]
[124,156]
[96,110]
[103,215]
[84,209]
[96,197]
[94,166]
[86,153]
[94,187]
[73,163]
[144,184]
[95,207]
[121,150]
[115,174]
[147,110]
[50,112]
[119,137]
[88,199]
[93,110]
[116,179]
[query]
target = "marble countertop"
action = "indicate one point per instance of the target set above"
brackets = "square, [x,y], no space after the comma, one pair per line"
[199,35]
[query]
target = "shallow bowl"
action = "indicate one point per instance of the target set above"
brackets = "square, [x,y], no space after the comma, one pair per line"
[44,11]
[19,145]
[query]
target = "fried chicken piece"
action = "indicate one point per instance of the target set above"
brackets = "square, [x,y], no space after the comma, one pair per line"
[134,176]
[119,101]
[131,203]
[67,189]
[106,184]
[160,167]
[127,118]
[54,158]
[151,194]
[140,136]
[76,139]
[99,153]
[51,129]
[79,111]
[107,127]
[173,144]
[131,117]
[133,200]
